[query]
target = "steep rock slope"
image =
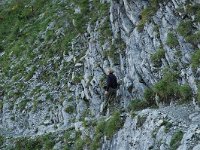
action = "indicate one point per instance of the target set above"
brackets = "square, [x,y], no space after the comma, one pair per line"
[53,58]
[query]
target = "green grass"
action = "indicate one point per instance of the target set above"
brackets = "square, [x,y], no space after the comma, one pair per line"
[193,38]
[106,128]
[148,12]
[185,28]
[146,15]
[149,96]
[70,109]
[136,105]
[1,106]
[185,92]
[1,140]
[157,56]
[167,125]
[167,89]
[172,40]
[77,79]
[113,125]
[176,140]
[79,144]
[22,105]
[195,60]
[198,94]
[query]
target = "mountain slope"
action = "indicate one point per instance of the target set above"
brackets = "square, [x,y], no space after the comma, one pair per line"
[53,55]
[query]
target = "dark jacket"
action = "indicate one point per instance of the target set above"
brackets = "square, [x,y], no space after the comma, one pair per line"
[111,82]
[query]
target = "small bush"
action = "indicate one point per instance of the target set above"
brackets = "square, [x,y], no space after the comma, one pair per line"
[70,109]
[167,125]
[193,38]
[22,105]
[79,144]
[156,57]
[172,40]
[146,15]
[167,87]
[1,106]
[185,28]
[96,142]
[195,61]
[113,124]
[176,140]
[1,48]
[185,93]
[198,94]
[77,79]
[136,105]
[1,140]
[149,96]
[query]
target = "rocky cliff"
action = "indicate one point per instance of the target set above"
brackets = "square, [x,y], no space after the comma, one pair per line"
[53,59]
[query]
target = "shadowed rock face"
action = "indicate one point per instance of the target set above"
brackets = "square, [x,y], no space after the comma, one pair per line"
[53,63]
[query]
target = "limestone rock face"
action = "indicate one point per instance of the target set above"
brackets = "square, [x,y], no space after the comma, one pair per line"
[53,71]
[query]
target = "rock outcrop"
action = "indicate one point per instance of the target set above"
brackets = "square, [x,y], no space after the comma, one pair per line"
[54,55]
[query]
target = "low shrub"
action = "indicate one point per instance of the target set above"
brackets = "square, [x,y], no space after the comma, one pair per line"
[156,57]
[70,109]
[172,40]
[113,125]
[185,92]
[195,61]
[137,104]
[176,140]
[1,140]
[1,106]
[185,28]
[149,96]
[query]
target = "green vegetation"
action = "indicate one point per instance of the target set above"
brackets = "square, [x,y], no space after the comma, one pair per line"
[185,28]
[69,138]
[198,94]
[148,12]
[167,125]
[149,96]
[34,34]
[106,128]
[176,140]
[41,142]
[168,89]
[113,125]
[1,106]
[193,38]
[79,144]
[146,15]
[185,93]
[193,10]
[195,61]
[77,79]
[22,105]
[156,57]
[114,51]
[137,104]
[172,40]
[1,140]
[70,109]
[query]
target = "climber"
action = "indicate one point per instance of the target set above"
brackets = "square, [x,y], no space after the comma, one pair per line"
[110,89]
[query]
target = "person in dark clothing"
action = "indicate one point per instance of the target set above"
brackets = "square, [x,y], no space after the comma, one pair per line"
[110,90]
[111,81]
